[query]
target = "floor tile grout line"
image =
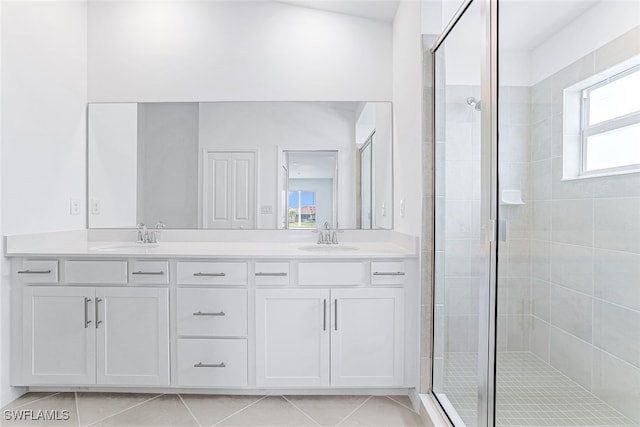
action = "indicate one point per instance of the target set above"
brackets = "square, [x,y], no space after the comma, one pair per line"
[303,412]
[354,411]
[31,401]
[401,404]
[189,410]
[75,400]
[240,410]
[125,410]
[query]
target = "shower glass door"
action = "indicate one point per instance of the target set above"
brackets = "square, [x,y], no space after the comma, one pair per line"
[463,261]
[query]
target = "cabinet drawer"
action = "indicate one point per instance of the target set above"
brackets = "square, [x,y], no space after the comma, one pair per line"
[149,273]
[212,362]
[212,312]
[212,273]
[272,273]
[387,273]
[331,273]
[88,272]
[39,271]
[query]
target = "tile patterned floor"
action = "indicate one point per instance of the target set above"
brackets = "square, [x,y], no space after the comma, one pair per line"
[187,410]
[530,392]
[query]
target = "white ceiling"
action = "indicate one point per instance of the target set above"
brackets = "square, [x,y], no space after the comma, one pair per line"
[312,165]
[525,24]
[380,10]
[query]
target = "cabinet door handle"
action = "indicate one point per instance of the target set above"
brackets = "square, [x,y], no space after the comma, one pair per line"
[209,274]
[86,312]
[34,272]
[200,313]
[98,300]
[388,273]
[335,313]
[271,274]
[324,314]
[210,365]
[148,273]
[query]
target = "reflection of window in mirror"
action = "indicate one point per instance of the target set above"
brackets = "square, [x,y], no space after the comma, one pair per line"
[312,188]
[302,209]
[365,188]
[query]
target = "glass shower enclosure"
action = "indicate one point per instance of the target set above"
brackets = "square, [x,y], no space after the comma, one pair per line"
[536,317]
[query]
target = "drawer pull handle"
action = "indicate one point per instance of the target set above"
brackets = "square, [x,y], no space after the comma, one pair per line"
[388,273]
[209,274]
[210,365]
[148,273]
[34,272]
[199,313]
[272,274]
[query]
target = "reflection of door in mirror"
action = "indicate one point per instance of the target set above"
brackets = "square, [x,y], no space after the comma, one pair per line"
[228,190]
[311,188]
[365,199]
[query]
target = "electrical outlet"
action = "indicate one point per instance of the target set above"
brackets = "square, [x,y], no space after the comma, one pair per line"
[74,206]
[95,207]
[401,208]
[266,210]
[384,209]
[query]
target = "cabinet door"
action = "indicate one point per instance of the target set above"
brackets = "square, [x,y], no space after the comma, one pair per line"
[132,326]
[292,337]
[59,335]
[367,337]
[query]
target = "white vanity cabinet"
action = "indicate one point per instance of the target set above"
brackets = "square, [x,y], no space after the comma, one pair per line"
[104,335]
[336,337]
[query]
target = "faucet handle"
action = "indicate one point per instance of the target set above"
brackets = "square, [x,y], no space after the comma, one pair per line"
[160,225]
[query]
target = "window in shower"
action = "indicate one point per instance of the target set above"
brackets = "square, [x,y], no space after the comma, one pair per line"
[609,123]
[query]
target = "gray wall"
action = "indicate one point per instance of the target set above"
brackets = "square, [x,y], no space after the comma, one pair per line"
[168,164]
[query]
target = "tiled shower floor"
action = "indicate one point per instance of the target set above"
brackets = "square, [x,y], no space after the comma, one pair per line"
[529,393]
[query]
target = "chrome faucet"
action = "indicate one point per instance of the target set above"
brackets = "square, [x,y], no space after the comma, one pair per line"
[327,236]
[149,236]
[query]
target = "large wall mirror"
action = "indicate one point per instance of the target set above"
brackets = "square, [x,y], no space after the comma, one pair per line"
[241,165]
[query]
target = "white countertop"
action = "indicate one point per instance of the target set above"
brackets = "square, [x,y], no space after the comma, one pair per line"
[76,246]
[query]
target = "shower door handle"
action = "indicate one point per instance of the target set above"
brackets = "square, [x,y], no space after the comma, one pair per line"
[503,230]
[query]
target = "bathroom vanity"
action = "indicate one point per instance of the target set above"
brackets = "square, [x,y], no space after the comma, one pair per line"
[214,316]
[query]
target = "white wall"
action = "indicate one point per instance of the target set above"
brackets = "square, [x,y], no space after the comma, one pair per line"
[561,49]
[231,50]
[407,123]
[44,102]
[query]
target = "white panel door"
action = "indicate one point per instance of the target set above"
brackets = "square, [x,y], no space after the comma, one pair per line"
[229,190]
[367,337]
[132,326]
[292,337]
[59,335]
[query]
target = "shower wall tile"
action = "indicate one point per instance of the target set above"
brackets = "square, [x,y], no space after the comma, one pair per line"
[460,298]
[617,331]
[541,101]
[540,338]
[457,258]
[458,180]
[540,259]
[458,214]
[540,291]
[572,221]
[572,267]
[541,180]
[570,356]
[571,188]
[556,134]
[625,185]
[625,46]
[616,277]
[515,147]
[541,220]
[519,258]
[617,224]
[617,383]
[459,142]
[518,295]
[518,332]
[571,311]
[541,134]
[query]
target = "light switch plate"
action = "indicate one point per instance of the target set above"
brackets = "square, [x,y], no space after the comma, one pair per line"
[266,210]
[401,208]
[74,206]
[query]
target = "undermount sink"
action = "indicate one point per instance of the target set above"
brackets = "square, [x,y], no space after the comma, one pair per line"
[328,248]
[124,247]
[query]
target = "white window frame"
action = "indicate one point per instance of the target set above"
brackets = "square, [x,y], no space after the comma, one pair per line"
[619,122]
